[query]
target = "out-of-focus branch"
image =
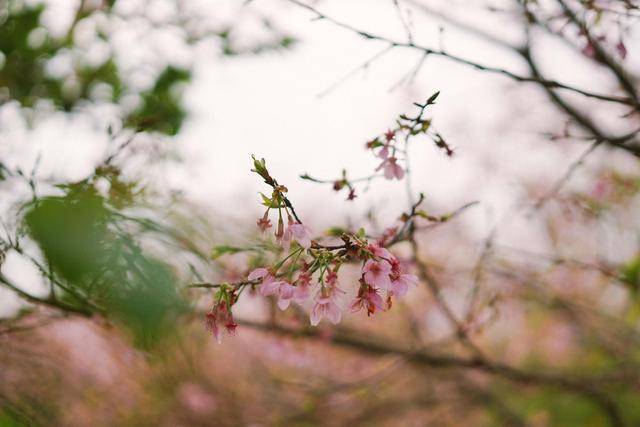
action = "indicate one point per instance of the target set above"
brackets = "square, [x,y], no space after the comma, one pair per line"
[552,84]
[435,289]
[49,302]
[603,56]
[537,77]
[590,387]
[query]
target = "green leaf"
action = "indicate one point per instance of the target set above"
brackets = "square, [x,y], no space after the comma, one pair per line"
[432,98]
[70,231]
[219,251]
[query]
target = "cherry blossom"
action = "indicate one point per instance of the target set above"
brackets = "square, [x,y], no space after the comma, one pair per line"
[384,152]
[218,315]
[286,293]
[264,223]
[369,299]
[401,281]
[381,252]
[325,307]
[376,273]
[302,291]
[391,168]
[298,232]
[269,286]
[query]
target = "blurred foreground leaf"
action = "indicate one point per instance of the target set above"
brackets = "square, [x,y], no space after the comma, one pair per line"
[85,242]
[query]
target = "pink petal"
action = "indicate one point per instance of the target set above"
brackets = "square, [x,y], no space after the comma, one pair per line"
[301,294]
[269,287]
[258,273]
[333,314]
[316,314]
[410,279]
[388,171]
[283,304]
[399,288]
[376,300]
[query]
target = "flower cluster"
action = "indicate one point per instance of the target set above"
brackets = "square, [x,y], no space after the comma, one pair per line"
[391,148]
[381,272]
[307,272]
[303,270]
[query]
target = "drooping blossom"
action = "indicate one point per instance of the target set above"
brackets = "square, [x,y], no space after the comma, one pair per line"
[384,152]
[286,293]
[369,299]
[264,222]
[376,274]
[220,315]
[326,305]
[302,291]
[298,232]
[391,168]
[280,231]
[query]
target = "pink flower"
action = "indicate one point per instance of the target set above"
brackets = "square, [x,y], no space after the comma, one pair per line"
[384,153]
[302,291]
[211,323]
[264,222]
[400,286]
[376,273]
[391,168]
[220,314]
[258,273]
[269,285]
[286,293]
[369,299]
[325,307]
[381,252]
[400,281]
[301,294]
[298,232]
[280,232]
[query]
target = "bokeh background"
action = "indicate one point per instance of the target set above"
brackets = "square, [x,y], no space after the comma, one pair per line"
[147,113]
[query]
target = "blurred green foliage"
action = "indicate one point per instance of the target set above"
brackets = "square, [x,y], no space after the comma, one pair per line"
[161,110]
[27,49]
[99,263]
[630,274]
